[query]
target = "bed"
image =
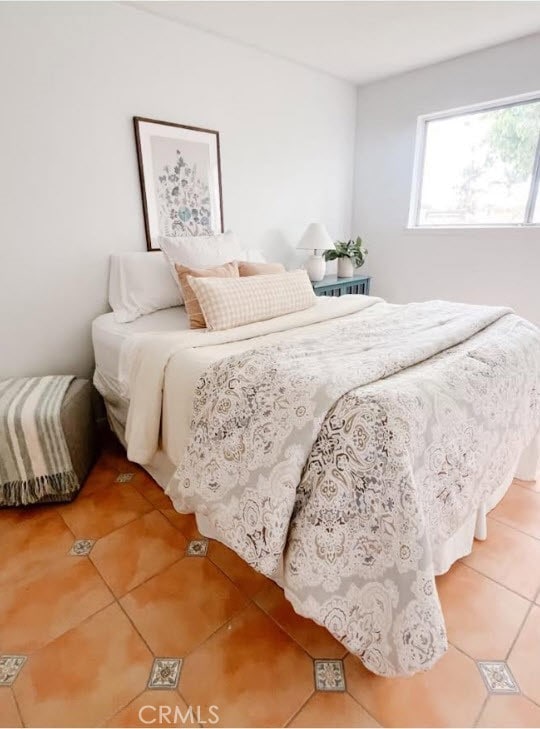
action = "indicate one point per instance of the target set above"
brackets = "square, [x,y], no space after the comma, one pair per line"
[350,451]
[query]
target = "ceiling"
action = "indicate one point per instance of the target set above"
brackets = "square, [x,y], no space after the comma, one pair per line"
[360,41]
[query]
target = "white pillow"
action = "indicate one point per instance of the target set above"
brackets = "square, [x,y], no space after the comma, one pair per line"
[201,251]
[253,255]
[233,302]
[140,283]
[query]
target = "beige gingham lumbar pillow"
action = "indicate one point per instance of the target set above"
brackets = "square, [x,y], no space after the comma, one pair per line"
[232,302]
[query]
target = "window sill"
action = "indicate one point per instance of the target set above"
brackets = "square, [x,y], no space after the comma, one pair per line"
[453,229]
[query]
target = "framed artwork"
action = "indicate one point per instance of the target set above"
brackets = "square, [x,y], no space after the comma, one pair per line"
[180,174]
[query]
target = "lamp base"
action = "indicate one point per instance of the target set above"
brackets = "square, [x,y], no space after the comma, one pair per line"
[316,268]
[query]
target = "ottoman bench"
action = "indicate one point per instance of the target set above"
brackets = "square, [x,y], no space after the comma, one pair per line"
[47,439]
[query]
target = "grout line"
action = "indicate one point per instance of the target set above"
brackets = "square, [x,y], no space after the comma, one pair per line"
[240,609]
[171,522]
[130,521]
[533,701]
[121,708]
[487,658]
[182,697]
[531,604]
[488,693]
[19,712]
[134,626]
[493,516]
[66,524]
[375,722]
[116,529]
[244,594]
[145,497]
[281,627]
[76,560]
[32,653]
[479,716]
[512,526]
[220,627]
[496,582]
[103,580]
[110,716]
[295,714]
[140,584]
[521,483]
[117,601]
[464,652]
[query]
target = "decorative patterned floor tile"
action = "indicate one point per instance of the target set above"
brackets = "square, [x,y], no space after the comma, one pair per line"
[329,675]
[125,477]
[498,677]
[197,548]
[9,668]
[165,673]
[82,547]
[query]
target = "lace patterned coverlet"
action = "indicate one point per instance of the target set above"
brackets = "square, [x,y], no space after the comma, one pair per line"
[350,460]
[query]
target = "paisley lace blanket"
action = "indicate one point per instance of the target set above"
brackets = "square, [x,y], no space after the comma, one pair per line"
[349,460]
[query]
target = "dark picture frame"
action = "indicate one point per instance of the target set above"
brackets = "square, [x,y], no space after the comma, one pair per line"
[180,179]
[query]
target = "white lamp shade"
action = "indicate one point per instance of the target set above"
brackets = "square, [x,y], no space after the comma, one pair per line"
[316,237]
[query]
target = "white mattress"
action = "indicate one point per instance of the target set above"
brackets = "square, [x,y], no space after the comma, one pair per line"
[108,336]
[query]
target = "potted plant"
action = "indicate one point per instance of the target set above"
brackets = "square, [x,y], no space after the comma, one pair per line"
[350,254]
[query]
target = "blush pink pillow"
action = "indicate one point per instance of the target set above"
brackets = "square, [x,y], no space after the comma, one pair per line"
[193,310]
[245,268]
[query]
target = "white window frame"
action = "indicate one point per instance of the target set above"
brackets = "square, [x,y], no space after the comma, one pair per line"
[419,164]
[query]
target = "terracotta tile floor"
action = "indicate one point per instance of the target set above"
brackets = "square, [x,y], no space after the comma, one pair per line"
[91,625]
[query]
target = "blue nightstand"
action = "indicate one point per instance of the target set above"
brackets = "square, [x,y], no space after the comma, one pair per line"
[334,286]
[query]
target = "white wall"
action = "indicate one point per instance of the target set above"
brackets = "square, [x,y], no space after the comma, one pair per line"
[478,266]
[72,76]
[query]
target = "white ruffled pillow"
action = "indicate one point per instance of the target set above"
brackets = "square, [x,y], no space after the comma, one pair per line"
[200,251]
[253,255]
[141,283]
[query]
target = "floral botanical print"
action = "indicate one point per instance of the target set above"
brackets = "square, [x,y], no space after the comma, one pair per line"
[180,173]
[184,200]
[350,462]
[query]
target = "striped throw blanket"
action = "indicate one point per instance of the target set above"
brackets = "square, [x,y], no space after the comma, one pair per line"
[35,465]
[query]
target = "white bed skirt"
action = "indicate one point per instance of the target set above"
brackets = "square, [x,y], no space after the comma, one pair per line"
[476,527]
[445,554]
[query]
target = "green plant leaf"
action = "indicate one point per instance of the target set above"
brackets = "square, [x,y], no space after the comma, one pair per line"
[353,249]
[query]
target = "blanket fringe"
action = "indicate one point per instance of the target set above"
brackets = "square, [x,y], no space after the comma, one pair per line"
[40,490]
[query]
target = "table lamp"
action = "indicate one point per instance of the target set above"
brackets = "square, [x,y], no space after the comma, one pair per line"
[316,238]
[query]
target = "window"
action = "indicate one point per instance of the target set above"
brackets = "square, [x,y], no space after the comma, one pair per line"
[478,167]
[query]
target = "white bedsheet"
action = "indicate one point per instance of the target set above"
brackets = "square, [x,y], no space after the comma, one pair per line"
[108,337]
